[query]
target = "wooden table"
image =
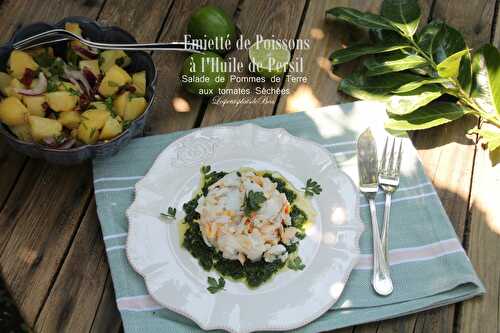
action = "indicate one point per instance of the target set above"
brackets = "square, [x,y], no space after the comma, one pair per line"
[52,255]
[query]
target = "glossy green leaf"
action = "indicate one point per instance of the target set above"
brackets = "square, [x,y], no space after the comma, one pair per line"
[440,41]
[486,79]
[449,67]
[393,63]
[386,37]
[408,102]
[490,136]
[422,81]
[465,73]
[353,52]
[431,115]
[376,87]
[366,20]
[403,14]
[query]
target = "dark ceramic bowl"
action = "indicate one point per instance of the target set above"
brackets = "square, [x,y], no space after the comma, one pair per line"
[95,32]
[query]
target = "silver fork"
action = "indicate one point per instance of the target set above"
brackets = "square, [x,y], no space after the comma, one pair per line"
[58,35]
[388,179]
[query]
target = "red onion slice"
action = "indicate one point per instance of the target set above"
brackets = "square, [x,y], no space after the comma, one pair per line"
[84,52]
[40,88]
[78,76]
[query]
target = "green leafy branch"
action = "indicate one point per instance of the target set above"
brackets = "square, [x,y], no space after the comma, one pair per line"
[312,188]
[426,78]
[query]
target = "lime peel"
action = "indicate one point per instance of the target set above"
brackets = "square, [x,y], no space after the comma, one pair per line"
[269,57]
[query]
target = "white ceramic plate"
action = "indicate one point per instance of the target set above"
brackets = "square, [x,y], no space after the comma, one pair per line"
[291,299]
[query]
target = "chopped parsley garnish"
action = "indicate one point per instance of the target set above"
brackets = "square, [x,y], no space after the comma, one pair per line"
[214,285]
[205,169]
[126,124]
[72,91]
[44,59]
[281,187]
[53,84]
[298,217]
[252,202]
[312,188]
[170,213]
[295,264]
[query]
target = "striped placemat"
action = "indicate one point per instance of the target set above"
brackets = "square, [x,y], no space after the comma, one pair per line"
[428,264]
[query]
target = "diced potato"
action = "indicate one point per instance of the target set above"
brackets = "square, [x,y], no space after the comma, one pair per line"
[13,112]
[5,80]
[35,105]
[87,133]
[44,128]
[91,65]
[69,119]
[23,132]
[73,27]
[109,58]
[96,118]
[120,103]
[115,78]
[19,61]
[135,107]
[11,89]
[61,101]
[139,82]
[111,128]
[98,106]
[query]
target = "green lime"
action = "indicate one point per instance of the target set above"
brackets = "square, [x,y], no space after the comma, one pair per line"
[204,73]
[269,57]
[213,25]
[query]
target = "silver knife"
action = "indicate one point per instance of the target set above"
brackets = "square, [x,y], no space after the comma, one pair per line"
[368,184]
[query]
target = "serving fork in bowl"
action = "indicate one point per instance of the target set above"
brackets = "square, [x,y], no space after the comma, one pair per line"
[59,35]
[388,179]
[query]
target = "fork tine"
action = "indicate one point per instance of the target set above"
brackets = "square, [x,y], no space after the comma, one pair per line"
[383,162]
[400,155]
[391,157]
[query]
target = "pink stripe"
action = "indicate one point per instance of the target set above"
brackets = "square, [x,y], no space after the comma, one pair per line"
[137,303]
[414,254]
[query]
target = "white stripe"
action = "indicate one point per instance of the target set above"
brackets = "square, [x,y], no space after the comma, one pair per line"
[113,248]
[408,188]
[423,195]
[415,254]
[118,189]
[137,303]
[105,179]
[343,143]
[115,236]
[345,152]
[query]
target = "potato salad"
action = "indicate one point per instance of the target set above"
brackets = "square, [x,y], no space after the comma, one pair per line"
[245,223]
[82,96]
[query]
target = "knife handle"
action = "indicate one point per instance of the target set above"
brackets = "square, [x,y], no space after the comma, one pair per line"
[381,279]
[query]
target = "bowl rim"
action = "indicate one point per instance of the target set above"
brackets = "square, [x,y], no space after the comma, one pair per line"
[102,28]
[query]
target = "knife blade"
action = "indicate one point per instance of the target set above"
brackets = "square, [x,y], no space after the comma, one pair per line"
[367,162]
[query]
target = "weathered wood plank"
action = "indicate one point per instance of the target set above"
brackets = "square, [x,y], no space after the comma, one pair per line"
[483,242]
[143,20]
[281,20]
[472,18]
[107,317]
[442,147]
[41,216]
[76,294]
[11,165]
[171,99]
[483,247]
[325,36]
